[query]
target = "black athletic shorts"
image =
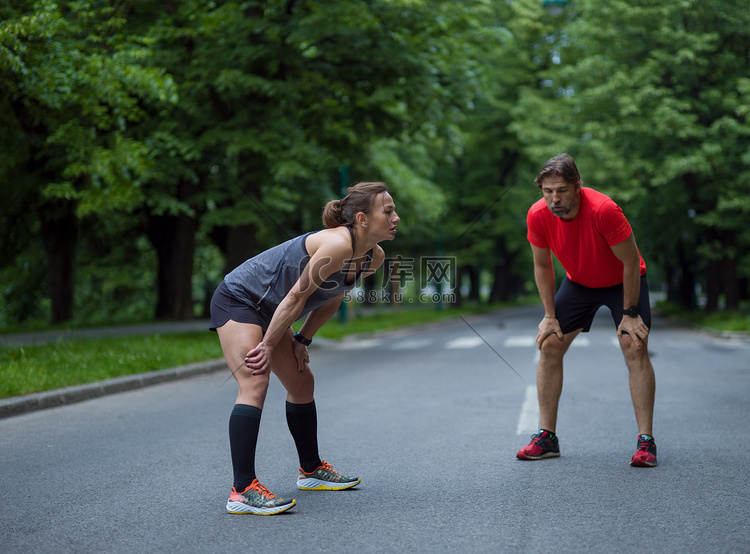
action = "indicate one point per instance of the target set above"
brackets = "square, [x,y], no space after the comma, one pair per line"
[224,306]
[576,305]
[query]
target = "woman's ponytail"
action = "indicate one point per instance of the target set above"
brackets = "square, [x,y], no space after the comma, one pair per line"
[359,198]
[332,216]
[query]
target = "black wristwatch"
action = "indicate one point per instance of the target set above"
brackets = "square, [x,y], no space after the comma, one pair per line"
[632,311]
[302,340]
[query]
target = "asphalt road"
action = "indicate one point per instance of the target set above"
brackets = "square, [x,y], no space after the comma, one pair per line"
[431,419]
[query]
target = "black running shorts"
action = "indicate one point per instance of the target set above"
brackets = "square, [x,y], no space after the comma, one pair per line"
[576,305]
[224,306]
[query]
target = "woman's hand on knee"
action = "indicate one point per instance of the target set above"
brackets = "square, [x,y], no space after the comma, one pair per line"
[259,359]
[302,356]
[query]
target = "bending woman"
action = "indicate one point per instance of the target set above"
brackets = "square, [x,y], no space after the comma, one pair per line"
[252,311]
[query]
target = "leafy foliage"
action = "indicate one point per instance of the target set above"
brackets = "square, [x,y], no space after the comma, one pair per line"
[72,82]
[160,143]
[651,99]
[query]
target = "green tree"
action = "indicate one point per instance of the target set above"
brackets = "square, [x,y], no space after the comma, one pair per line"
[277,96]
[71,85]
[652,100]
[495,172]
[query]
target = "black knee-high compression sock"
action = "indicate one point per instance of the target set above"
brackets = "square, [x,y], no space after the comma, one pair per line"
[244,424]
[303,424]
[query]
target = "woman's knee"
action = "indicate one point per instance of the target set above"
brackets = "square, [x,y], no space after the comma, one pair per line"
[253,386]
[300,387]
[304,382]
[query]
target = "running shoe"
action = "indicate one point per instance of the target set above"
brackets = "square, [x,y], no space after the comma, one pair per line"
[325,478]
[543,445]
[257,499]
[645,456]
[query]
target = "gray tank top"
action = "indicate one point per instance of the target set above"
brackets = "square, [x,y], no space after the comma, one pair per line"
[264,280]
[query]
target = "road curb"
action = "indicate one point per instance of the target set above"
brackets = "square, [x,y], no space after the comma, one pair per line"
[19,405]
[61,397]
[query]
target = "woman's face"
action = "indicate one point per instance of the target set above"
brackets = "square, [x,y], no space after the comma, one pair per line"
[383,217]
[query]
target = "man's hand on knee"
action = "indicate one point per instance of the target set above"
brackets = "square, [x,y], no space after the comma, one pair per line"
[548,326]
[636,330]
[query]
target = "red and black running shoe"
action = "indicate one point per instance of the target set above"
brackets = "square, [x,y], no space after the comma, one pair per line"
[543,445]
[645,456]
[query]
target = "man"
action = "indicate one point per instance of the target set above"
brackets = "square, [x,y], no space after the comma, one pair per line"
[593,241]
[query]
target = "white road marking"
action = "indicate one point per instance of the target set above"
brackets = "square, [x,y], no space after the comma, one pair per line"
[523,341]
[528,420]
[411,344]
[360,344]
[520,341]
[464,342]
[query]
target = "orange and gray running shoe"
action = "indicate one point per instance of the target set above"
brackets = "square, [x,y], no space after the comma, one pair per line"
[325,478]
[257,499]
[543,445]
[645,456]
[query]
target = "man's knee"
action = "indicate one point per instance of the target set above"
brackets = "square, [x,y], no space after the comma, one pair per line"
[553,347]
[635,352]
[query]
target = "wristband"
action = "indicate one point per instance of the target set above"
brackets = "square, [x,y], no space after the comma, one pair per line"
[302,340]
[550,317]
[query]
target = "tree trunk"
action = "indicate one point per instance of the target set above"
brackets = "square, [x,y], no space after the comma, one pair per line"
[237,243]
[458,298]
[60,237]
[473,273]
[730,284]
[686,290]
[173,238]
[672,284]
[744,288]
[504,281]
[713,286]
[501,284]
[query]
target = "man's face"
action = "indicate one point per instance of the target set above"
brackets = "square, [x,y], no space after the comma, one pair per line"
[561,197]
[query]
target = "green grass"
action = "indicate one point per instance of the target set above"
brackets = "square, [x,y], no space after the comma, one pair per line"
[29,369]
[727,321]
[723,320]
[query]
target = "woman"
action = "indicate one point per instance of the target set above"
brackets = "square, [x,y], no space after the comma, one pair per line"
[252,311]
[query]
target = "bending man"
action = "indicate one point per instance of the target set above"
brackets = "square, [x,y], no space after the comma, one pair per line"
[588,233]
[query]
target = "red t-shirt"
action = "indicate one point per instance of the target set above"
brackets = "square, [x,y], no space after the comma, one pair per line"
[583,245]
